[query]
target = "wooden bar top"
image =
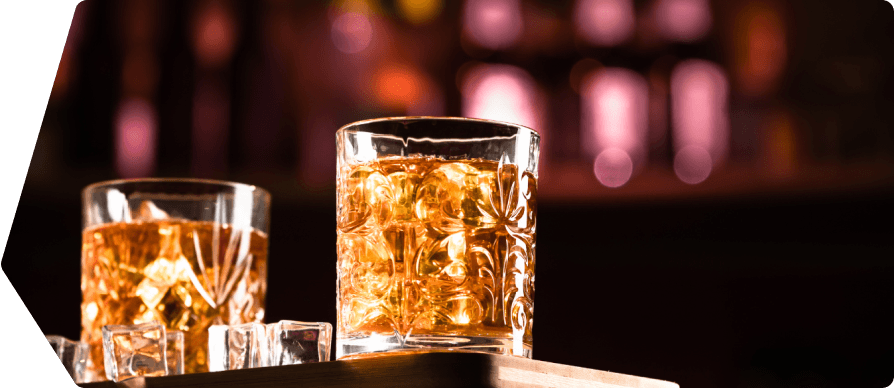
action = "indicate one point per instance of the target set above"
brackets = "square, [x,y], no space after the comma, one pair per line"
[412,370]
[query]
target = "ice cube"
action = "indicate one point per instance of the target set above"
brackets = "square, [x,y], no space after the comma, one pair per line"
[247,346]
[174,352]
[292,342]
[366,202]
[134,350]
[160,275]
[73,355]
[148,211]
[56,342]
[240,346]
[218,356]
[118,207]
[442,200]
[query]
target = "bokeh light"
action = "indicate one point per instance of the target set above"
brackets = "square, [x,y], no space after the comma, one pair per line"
[492,24]
[419,11]
[340,7]
[693,164]
[700,118]
[682,20]
[613,167]
[780,144]
[351,32]
[614,116]
[398,86]
[760,48]
[501,92]
[214,34]
[604,22]
[136,132]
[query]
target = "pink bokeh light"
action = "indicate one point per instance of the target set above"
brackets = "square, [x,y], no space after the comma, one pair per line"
[136,132]
[614,116]
[700,117]
[501,92]
[604,22]
[693,164]
[613,167]
[351,32]
[493,24]
[682,20]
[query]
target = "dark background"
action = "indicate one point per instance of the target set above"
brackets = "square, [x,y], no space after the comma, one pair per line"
[760,276]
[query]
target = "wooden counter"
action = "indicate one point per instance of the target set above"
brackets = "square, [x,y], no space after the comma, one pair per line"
[415,370]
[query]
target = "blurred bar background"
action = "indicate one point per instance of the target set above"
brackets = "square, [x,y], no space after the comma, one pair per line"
[715,182]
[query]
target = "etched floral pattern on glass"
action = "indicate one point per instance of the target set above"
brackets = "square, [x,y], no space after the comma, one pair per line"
[187,275]
[431,248]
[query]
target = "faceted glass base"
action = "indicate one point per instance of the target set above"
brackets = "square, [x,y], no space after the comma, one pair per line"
[379,345]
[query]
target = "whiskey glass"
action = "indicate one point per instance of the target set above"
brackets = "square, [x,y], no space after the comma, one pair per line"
[187,253]
[436,236]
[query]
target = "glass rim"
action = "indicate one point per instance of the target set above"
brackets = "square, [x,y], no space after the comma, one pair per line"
[198,181]
[345,127]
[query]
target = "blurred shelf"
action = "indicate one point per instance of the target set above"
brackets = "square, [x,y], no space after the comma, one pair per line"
[576,183]
[565,182]
[431,370]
